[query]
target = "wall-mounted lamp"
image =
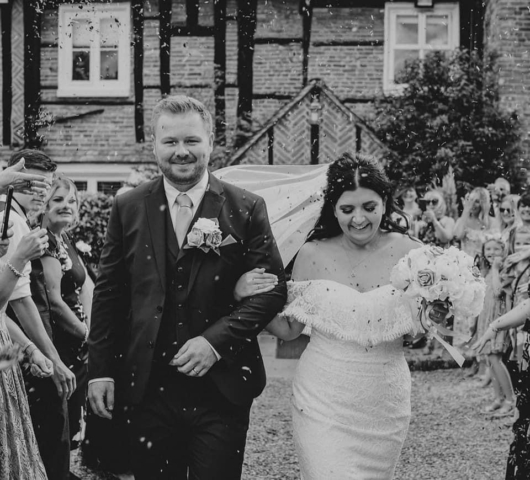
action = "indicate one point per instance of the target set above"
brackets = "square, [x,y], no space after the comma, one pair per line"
[315,108]
[424,3]
[314,111]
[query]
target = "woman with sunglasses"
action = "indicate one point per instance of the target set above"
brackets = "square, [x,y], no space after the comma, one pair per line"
[508,215]
[435,227]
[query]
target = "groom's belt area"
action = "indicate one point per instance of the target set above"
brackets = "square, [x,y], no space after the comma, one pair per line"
[197,391]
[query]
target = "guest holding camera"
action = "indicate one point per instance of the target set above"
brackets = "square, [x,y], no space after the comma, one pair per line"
[19,455]
[435,227]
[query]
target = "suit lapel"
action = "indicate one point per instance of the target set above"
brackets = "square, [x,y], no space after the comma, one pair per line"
[156,206]
[210,207]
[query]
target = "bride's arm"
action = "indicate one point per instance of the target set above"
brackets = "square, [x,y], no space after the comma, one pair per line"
[257,281]
[285,329]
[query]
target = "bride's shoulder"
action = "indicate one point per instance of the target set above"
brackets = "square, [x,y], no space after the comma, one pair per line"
[311,259]
[316,247]
[402,244]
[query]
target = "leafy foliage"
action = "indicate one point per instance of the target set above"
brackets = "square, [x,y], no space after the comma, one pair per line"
[94,212]
[449,115]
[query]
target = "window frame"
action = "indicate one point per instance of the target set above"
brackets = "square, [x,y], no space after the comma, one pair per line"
[392,11]
[95,87]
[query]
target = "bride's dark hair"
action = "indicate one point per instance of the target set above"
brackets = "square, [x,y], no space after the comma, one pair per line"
[348,173]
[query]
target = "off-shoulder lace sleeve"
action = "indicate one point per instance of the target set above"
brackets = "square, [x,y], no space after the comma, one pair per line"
[296,307]
[368,319]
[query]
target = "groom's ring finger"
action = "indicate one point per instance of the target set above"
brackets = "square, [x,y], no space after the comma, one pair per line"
[194,371]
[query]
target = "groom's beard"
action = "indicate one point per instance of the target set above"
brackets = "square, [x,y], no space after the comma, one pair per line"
[189,174]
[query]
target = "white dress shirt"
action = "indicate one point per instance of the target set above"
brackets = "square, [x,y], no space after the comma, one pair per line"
[196,193]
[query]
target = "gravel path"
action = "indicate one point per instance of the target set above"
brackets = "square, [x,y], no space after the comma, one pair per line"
[449,439]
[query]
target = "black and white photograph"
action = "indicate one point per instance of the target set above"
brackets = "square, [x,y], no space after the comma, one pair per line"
[264,240]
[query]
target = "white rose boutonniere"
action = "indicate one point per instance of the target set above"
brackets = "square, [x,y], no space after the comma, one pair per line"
[206,235]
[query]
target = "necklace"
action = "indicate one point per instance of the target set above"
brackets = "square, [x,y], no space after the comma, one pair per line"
[362,260]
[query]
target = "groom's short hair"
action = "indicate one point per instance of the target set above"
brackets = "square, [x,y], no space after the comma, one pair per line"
[182,104]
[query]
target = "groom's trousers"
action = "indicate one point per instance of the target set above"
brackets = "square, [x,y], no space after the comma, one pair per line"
[186,429]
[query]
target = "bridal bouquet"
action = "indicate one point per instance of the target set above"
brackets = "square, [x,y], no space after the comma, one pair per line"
[441,278]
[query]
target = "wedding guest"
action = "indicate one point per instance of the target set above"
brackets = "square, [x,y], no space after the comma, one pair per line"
[69,291]
[407,202]
[491,260]
[508,215]
[470,229]
[522,224]
[47,396]
[475,221]
[501,189]
[518,464]
[19,455]
[435,227]
[516,271]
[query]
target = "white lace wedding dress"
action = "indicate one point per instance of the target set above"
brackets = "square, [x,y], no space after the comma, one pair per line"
[351,390]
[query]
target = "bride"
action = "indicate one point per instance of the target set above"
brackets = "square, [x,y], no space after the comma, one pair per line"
[351,391]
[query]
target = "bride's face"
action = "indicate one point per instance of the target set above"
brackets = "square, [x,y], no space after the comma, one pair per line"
[359,213]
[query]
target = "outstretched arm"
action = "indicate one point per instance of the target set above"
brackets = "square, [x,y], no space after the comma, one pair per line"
[514,318]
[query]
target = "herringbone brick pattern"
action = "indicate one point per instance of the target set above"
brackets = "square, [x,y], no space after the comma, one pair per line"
[258,155]
[337,133]
[292,136]
[17,41]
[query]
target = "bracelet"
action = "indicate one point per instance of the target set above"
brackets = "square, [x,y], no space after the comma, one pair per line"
[15,271]
[28,346]
[494,329]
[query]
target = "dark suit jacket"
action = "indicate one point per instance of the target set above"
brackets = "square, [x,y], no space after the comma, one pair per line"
[131,287]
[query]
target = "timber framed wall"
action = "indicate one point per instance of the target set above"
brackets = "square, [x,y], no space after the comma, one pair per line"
[195,47]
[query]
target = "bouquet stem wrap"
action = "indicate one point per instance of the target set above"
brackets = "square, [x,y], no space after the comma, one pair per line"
[438,331]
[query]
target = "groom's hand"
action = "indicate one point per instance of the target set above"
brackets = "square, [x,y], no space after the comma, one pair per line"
[195,358]
[101,398]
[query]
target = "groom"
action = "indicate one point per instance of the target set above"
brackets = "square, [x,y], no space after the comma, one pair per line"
[167,339]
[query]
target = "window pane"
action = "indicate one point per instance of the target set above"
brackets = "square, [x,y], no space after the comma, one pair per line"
[401,57]
[437,30]
[406,29]
[81,35]
[81,65]
[109,188]
[109,65]
[109,30]
[81,186]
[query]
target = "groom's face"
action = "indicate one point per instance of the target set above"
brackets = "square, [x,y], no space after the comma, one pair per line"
[182,147]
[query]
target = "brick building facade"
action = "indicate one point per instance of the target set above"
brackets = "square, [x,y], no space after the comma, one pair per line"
[241,58]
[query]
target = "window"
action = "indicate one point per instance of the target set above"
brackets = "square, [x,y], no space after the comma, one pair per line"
[412,33]
[109,188]
[94,50]
[97,177]
[81,186]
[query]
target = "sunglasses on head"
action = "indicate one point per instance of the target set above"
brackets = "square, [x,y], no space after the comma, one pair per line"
[431,201]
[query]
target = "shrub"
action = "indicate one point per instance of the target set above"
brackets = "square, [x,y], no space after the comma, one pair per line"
[449,115]
[94,212]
